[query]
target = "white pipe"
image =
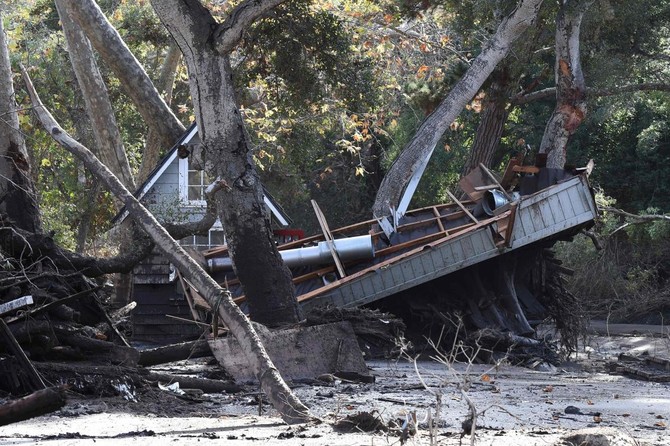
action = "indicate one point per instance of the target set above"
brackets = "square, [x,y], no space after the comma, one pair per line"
[352,248]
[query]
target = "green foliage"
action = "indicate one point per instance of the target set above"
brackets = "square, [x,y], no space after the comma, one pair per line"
[631,145]
[304,55]
[629,280]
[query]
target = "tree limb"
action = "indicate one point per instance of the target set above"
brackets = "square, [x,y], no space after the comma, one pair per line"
[421,146]
[637,218]
[289,406]
[21,243]
[134,79]
[545,93]
[229,33]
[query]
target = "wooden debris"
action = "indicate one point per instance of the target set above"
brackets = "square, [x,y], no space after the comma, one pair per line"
[16,304]
[175,352]
[37,403]
[648,368]
[189,382]
[33,379]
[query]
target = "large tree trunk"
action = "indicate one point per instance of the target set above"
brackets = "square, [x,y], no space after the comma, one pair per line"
[281,397]
[165,84]
[106,40]
[491,123]
[570,108]
[18,201]
[108,142]
[267,283]
[433,127]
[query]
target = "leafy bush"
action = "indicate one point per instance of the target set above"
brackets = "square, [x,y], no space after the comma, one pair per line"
[628,280]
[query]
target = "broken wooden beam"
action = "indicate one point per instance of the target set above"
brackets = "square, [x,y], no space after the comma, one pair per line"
[16,304]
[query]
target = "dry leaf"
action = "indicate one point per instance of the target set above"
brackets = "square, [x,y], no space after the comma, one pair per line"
[548,389]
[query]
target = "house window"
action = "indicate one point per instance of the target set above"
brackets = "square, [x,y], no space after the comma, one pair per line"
[214,238]
[192,184]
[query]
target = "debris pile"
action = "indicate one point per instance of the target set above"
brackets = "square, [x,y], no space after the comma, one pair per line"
[54,315]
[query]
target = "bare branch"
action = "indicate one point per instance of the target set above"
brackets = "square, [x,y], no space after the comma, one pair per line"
[637,218]
[229,33]
[521,99]
[134,79]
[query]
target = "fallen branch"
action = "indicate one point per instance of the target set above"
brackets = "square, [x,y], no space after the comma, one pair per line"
[636,219]
[175,352]
[38,403]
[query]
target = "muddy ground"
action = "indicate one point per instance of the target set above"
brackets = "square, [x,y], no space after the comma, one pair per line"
[517,405]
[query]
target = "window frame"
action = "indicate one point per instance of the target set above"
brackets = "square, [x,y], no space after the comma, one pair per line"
[184,184]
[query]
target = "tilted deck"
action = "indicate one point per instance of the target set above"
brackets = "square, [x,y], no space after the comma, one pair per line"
[536,217]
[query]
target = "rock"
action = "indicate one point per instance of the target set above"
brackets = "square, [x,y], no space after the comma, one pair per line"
[585,437]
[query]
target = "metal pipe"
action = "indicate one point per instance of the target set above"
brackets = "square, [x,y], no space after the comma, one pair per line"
[351,248]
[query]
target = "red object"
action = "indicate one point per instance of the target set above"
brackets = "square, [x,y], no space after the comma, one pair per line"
[288,235]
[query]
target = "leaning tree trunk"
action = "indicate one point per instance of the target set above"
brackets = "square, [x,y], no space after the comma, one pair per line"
[165,84]
[570,108]
[134,80]
[108,140]
[491,124]
[266,281]
[18,201]
[281,397]
[433,127]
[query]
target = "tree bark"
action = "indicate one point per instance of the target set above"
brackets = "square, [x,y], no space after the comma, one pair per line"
[570,109]
[165,84]
[37,403]
[491,124]
[433,127]
[109,145]
[281,397]
[18,201]
[175,352]
[267,283]
[106,40]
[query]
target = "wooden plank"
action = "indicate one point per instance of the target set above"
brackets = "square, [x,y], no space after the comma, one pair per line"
[509,174]
[329,238]
[526,169]
[495,181]
[463,208]
[509,229]
[439,220]
[16,304]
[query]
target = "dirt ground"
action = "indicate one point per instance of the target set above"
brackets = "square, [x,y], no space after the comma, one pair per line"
[517,406]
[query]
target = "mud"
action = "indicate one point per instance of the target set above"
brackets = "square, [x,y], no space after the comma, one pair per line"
[412,402]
